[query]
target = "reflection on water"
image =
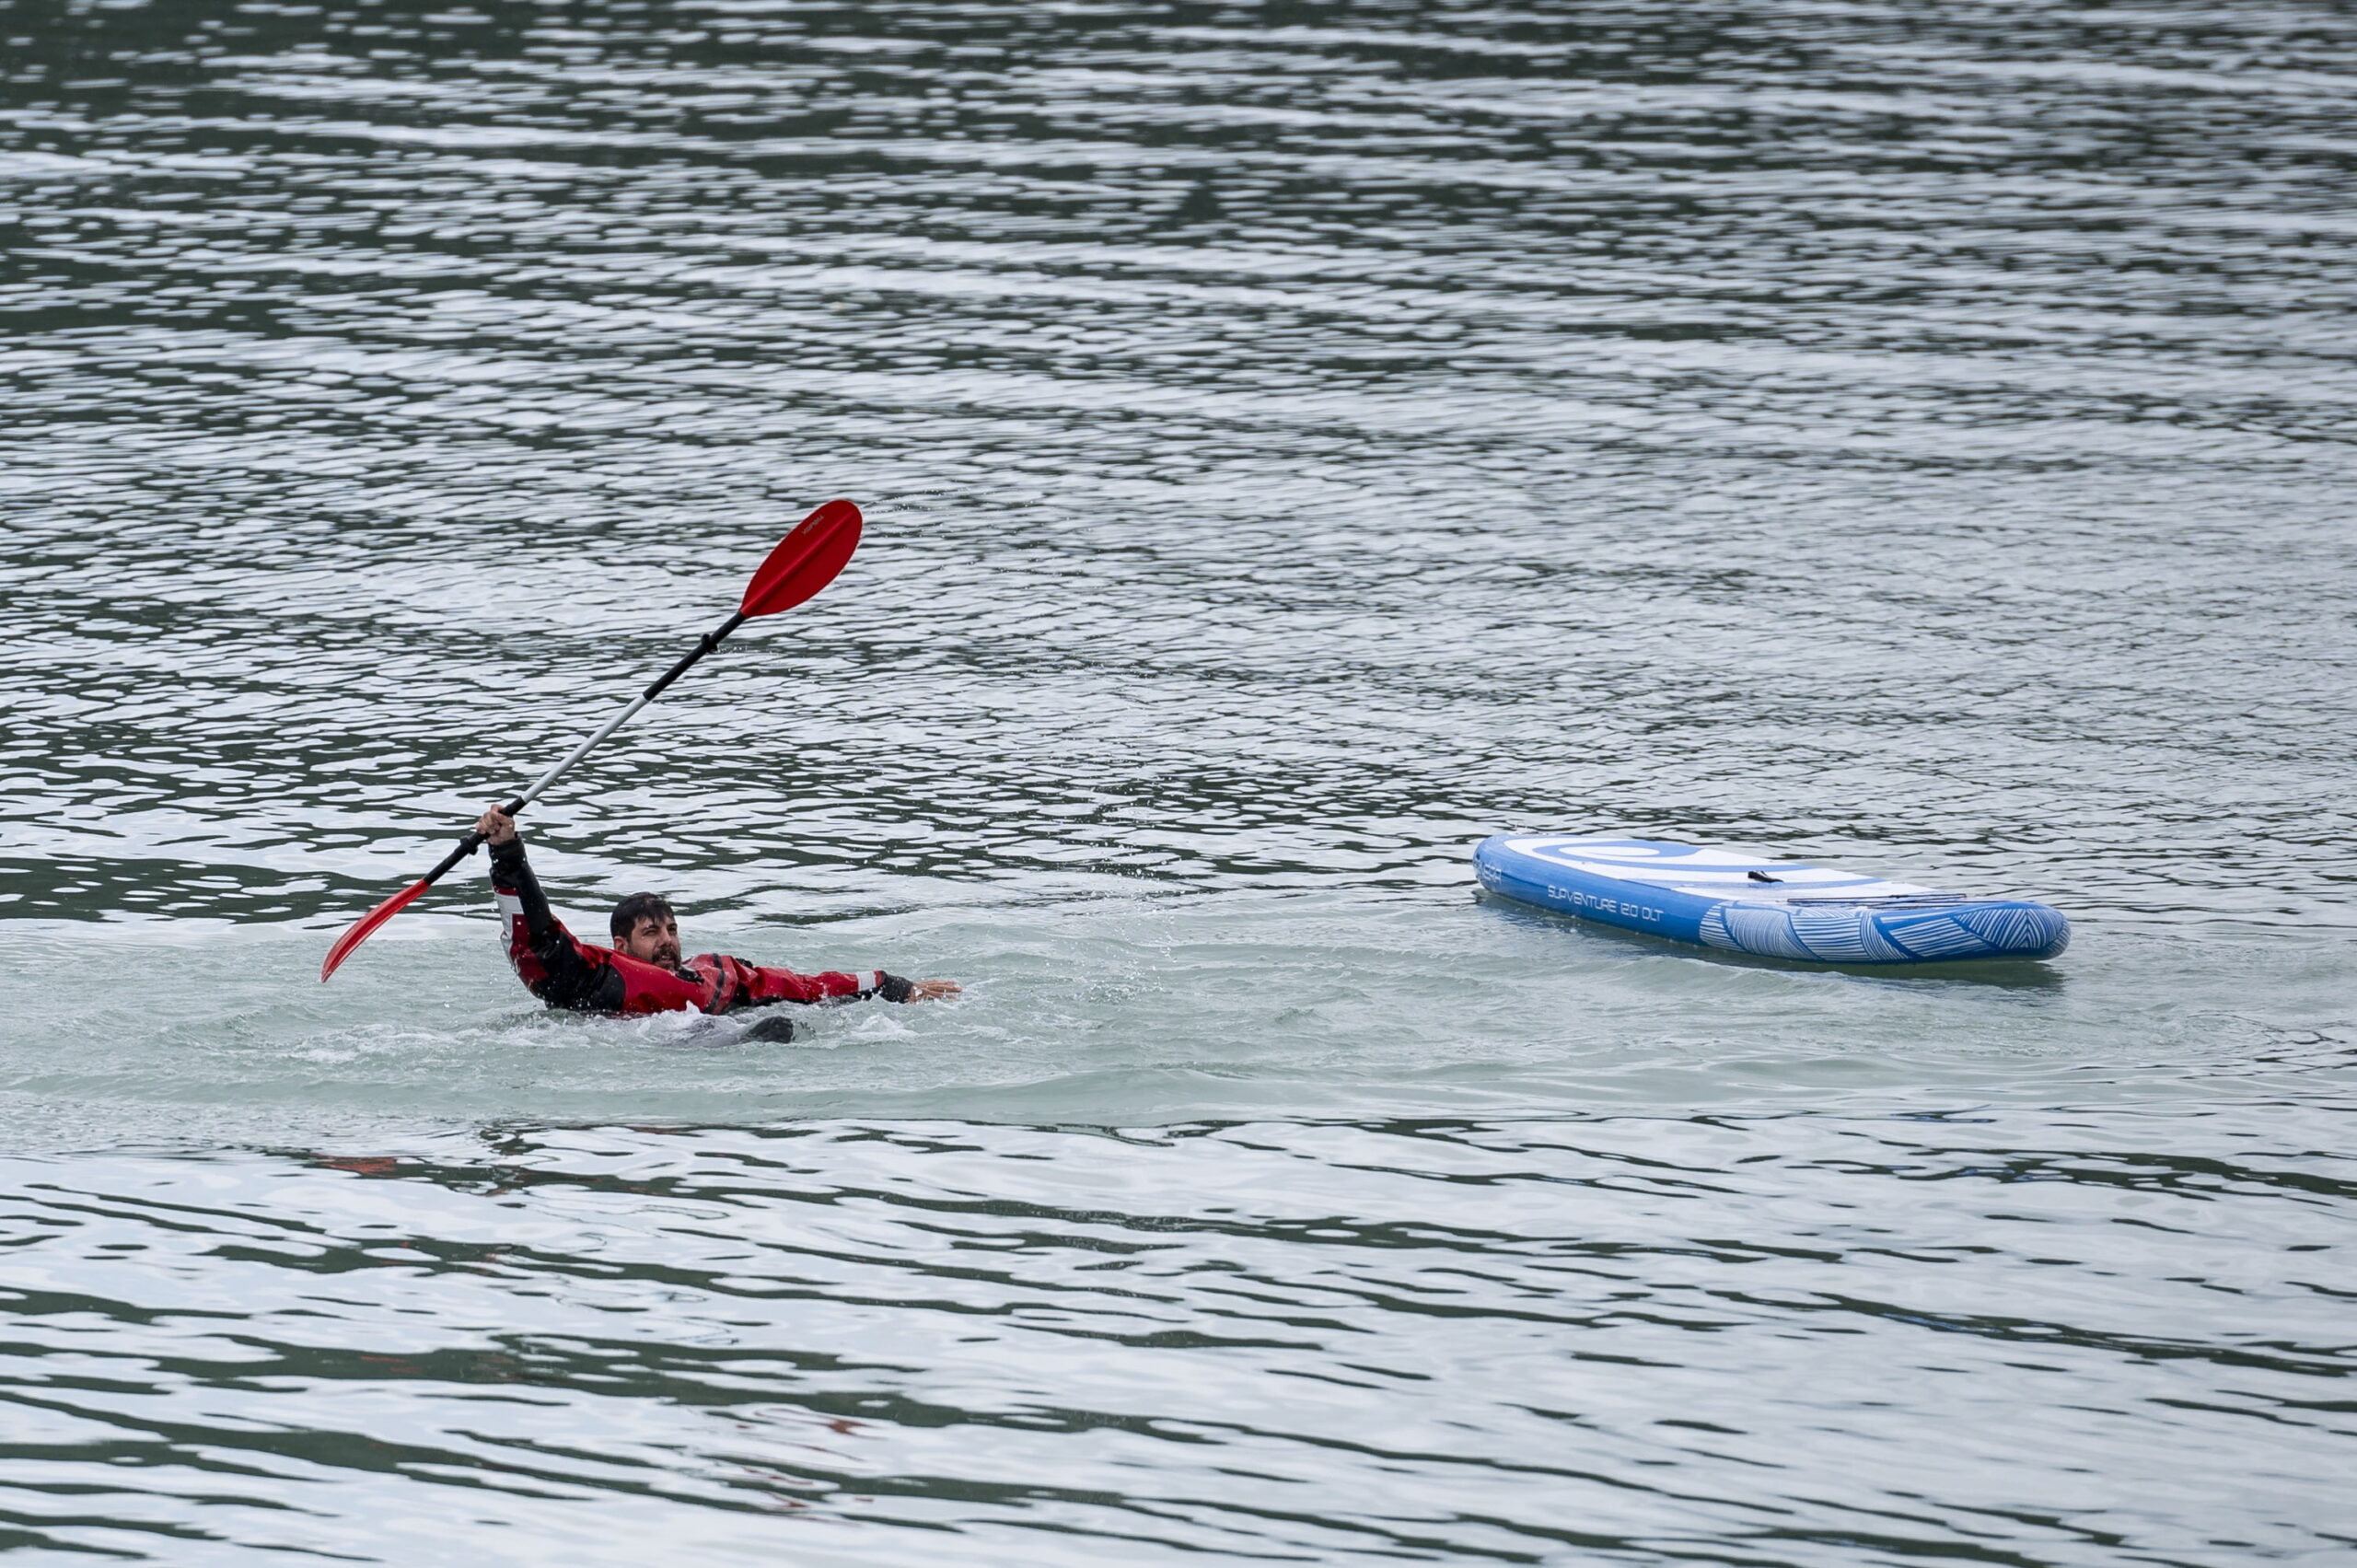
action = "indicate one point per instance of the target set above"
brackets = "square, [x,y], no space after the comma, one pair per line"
[1299,439]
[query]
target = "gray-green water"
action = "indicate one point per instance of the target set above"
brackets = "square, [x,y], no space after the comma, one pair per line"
[1297,441]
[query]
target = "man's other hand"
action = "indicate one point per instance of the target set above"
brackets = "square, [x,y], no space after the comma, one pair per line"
[497,827]
[931,990]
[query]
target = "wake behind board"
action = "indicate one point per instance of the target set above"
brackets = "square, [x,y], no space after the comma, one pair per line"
[1741,902]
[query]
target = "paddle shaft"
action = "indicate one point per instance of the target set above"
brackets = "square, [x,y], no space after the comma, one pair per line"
[705,645]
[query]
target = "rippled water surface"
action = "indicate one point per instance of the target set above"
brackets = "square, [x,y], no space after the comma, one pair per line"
[1297,441]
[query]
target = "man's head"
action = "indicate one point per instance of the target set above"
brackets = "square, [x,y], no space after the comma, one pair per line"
[645,928]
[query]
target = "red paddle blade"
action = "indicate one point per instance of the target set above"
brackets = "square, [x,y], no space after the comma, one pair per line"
[367,924]
[804,561]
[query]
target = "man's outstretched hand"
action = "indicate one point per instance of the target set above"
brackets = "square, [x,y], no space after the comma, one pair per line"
[930,989]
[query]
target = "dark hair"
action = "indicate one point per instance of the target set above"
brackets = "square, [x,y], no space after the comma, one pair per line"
[637,907]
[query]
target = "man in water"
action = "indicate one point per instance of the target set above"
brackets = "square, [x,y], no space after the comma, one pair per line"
[642,971]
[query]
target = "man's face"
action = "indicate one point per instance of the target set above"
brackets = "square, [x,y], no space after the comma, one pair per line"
[655,941]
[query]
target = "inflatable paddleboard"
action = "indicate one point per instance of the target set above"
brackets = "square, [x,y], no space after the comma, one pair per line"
[1742,903]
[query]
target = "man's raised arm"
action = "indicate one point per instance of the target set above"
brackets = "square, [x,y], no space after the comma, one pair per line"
[552,964]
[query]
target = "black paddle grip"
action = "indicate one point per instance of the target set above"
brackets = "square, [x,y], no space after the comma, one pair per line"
[470,844]
[705,645]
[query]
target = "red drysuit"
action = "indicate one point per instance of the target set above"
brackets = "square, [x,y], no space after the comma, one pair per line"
[565,972]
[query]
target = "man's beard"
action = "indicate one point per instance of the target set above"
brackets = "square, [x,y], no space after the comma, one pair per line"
[667,955]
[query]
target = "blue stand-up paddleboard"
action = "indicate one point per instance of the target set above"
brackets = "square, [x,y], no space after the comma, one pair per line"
[1742,903]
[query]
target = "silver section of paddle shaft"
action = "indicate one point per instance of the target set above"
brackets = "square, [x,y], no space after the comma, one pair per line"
[583,749]
[705,645]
